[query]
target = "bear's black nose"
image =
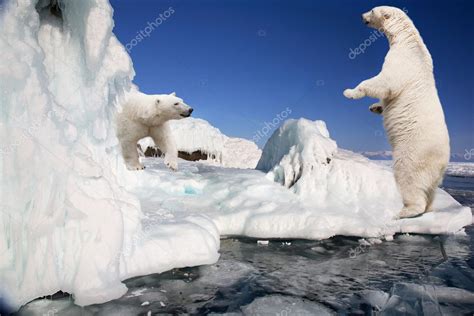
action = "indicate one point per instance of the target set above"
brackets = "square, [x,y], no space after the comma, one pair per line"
[191,110]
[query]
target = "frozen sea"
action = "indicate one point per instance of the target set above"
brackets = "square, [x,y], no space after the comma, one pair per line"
[413,274]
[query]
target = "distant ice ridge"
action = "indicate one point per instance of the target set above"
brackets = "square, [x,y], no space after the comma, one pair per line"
[66,222]
[197,135]
[460,169]
[454,169]
[466,157]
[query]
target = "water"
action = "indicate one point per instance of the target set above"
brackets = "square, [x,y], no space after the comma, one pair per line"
[412,274]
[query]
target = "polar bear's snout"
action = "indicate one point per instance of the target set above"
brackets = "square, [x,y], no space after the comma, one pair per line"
[370,19]
[184,109]
[187,113]
[365,18]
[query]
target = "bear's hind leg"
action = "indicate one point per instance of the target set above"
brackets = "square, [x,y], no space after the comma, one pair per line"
[432,189]
[412,191]
[430,196]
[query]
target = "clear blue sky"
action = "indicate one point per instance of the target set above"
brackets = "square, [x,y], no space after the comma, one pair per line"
[239,63]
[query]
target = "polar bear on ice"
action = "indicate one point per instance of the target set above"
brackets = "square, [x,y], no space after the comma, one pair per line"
[147,115]
[412,112]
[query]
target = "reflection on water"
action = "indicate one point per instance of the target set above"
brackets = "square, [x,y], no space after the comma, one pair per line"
[410,275]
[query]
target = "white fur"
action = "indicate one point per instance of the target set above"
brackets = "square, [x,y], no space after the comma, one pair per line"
[413,116]
[147,115]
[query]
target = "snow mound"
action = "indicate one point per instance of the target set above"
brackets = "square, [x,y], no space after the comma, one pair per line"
[198,135]
[240,153]
[66,222]
[195,135]
[301,156]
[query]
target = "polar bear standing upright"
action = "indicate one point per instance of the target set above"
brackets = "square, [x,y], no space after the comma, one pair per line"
[413,116]
[147,115]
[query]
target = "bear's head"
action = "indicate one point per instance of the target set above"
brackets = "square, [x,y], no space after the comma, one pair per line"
[170,107]
[380,17]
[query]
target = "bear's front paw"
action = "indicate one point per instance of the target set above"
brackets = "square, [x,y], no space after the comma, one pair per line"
[173,165]
[353,93]
[376,108]
[135,167]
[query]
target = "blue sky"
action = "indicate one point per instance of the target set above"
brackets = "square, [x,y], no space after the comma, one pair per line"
[240,63]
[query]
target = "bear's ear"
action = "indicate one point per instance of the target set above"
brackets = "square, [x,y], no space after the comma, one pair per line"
[173,94]
[386,16]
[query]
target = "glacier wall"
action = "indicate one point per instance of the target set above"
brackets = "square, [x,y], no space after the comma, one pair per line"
[62,72]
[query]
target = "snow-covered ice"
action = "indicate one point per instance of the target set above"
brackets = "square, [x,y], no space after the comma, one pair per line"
[312,190]
[73,219]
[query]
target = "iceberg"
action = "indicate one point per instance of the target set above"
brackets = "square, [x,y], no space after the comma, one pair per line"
[66,222]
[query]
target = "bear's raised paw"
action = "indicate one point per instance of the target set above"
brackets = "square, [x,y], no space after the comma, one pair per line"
[353,94]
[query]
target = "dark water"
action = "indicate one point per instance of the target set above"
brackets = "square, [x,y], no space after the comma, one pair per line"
[413,274]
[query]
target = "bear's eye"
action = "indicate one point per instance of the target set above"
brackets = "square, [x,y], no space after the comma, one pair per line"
[157,101]
[177,103]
